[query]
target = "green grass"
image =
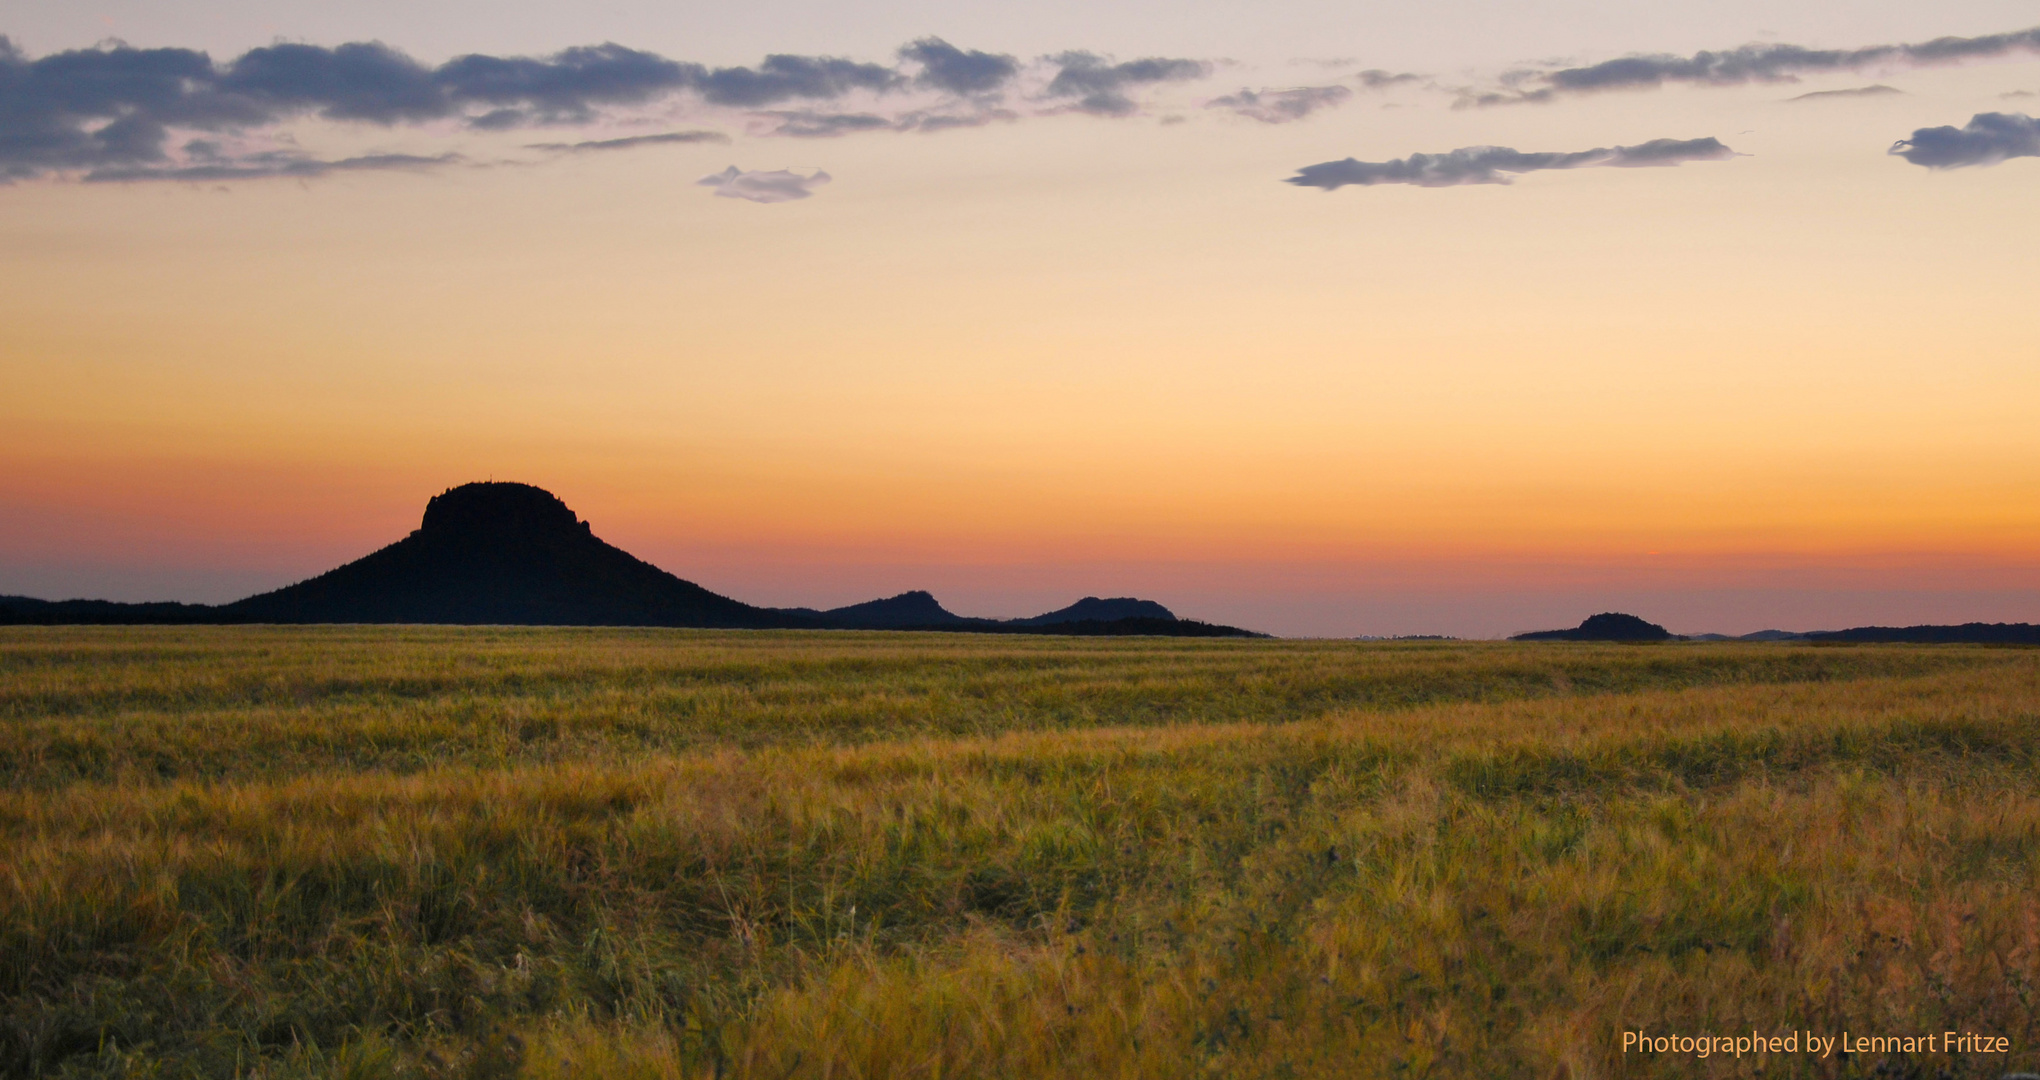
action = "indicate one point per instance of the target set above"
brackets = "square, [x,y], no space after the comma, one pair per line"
[493,852]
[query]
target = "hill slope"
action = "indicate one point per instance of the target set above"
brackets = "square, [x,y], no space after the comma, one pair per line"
[502,553]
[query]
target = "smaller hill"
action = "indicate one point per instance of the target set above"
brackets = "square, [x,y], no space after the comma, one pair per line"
[1092,609]
[916,608]
[1607,626]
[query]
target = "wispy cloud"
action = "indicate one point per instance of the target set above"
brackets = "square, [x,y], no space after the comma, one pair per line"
[809,124]
[1281,106]
[1879,90]
[1497,164]
[776,186]
[1746,64]
[272,164]
[634,141]
[1987,139]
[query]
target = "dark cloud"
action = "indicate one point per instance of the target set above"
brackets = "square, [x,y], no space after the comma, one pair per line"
[1987,139]
[113,110]
[567,86]
[358,81]
[1281,106]
[1493,164]
[1879,90]
[948,68]
[634,141]
[1100,85]
[778,185]
[1751,63]
[2012,94]
[784,78]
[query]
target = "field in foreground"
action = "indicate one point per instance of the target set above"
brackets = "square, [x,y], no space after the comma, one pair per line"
[559,853]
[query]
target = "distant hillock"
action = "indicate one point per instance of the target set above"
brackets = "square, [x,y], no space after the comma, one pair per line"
[1093,609]
[917,607]
[1975,633]
[1607,626]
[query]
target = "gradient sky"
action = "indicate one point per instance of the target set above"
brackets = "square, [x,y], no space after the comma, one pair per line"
[1084,340]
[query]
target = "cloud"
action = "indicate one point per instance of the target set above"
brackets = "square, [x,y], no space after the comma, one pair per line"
[1100,85]
[1377,79]
[1879,90]
[1281,106]
[783,78]
[779,185]
[634,141]
[110,110]
[1987,139]
[802,124]
[1493,164]
[1748,64]
[2012,94]
[956,71]
[115,109]
[567,86]
[272,164]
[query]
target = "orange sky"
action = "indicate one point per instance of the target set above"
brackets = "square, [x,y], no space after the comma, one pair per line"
[1024,362]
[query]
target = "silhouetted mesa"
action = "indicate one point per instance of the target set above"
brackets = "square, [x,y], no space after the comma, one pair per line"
[1974,633]
[1607,626]
[503,553]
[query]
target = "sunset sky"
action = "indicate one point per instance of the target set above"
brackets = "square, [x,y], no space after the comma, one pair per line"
[812,303]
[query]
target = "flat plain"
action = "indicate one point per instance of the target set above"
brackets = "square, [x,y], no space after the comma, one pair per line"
[476,852]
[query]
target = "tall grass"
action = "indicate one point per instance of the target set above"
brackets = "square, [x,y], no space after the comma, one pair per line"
[1273,860]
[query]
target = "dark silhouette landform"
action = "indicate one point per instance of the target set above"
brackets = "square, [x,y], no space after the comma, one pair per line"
[1607,626]
[1614,626]
[512,554]
[1974,633]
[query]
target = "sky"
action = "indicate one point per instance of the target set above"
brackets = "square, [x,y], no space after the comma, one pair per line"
[1324,319]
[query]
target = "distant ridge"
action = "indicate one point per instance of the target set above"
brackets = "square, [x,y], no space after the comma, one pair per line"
[1975,633]
[514,554]
[1607,626]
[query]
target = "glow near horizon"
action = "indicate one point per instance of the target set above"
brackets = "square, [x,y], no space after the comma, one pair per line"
[1024,362]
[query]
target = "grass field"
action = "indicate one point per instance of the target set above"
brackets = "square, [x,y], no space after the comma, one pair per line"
[561,853]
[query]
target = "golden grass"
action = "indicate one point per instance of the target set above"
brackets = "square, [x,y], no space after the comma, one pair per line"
[1004,857]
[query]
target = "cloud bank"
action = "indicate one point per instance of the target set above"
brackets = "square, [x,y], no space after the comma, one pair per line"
[779,185]
[1748,64]
[118,112]
[1987,139]
[1495,164]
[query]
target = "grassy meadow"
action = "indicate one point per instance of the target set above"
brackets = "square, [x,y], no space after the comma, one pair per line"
[481,852]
